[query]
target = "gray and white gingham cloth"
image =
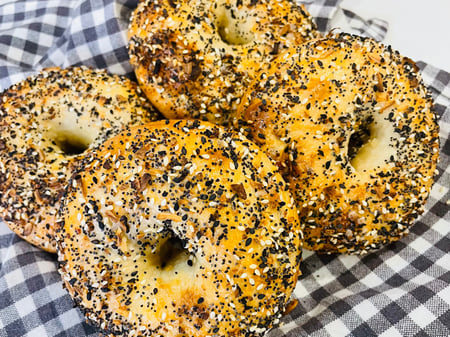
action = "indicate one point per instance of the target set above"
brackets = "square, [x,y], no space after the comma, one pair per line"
[401,290]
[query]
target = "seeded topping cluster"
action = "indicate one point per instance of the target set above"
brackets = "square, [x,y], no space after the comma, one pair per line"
[354,133]
[196,58]
[47,122]
[180,228]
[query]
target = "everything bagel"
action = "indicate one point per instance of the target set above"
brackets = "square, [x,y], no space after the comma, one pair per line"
[48,122]
[353,129]
[179,228]
[195,58]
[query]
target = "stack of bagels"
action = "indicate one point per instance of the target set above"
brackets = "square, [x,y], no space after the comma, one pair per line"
[179,206]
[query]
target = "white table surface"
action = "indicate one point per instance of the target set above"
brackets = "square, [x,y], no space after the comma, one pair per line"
[419,30]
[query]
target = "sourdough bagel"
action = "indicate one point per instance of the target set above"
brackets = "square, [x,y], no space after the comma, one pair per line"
[352,126]
[48,122]
[195,58]
[179,228]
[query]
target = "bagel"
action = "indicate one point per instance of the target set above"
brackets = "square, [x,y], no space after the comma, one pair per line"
[179,228]
[48,122]
[353,130]
[195,58]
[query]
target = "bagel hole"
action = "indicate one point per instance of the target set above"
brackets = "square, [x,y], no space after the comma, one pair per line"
[69,133]
[357,140]
[233,28]
[172,253]
[373,144]
[71,145]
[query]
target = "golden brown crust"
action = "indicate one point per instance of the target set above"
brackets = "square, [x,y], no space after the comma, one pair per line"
[180,228]
[195,58]
[354,131]
[47,122]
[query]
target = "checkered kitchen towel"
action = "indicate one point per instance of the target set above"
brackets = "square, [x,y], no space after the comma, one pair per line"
[401,290]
